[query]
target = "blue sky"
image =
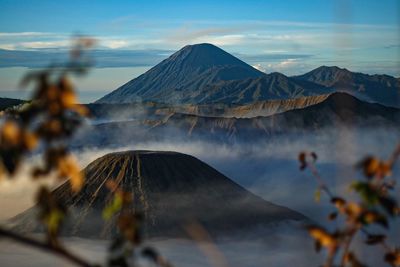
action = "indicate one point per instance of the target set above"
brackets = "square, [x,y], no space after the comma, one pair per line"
[292,36]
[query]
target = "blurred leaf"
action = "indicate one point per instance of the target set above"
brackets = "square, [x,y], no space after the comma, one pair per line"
[375,239]
[351,258]
[369,166]
[372,166]
[339,203]
[113,207]
[389,204]
[54,220]
[393,258]
[353,210]
[30,140]
[366,192]
[317,195]
[10,159]
[374,217]
[322,236]
[314,156]
[68,167]
[317,246]
[150,253]
[10,133]
[332,216]
[129,226]
[302,160]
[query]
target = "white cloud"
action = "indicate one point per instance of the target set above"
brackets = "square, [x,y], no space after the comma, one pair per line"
[7,46]
[115,44]
[224,40]
[44,44]
[24,34]
[259,67]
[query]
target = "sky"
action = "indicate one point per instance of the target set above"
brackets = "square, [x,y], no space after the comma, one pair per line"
[290,36]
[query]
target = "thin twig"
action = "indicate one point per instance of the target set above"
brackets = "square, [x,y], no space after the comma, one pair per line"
[59,251]
[352,232]
[319,179]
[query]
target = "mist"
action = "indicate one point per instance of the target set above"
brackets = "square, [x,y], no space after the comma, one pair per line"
[269,168]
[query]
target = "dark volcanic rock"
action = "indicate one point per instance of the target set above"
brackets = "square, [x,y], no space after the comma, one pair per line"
[171,189]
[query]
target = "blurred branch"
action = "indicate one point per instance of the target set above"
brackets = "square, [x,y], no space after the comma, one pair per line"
[59,251]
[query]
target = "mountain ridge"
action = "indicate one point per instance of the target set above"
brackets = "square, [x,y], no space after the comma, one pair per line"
[206,74]
[336,109]
[379,88]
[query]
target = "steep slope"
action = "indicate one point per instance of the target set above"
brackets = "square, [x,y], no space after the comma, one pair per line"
[382,89]
[171,189]
[268,87]
[181,75]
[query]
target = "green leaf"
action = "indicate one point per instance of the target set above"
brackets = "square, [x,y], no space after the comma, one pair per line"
[317,195]
[368,194]
[113,207]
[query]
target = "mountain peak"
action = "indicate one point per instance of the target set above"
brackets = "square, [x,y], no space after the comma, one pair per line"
[382,89]
[183,76]
[330,69]
[205,55]
[201,46]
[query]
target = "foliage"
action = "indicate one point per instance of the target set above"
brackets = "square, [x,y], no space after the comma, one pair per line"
[43,126]
[376,206]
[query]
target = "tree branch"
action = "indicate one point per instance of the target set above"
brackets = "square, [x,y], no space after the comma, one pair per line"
[58,251]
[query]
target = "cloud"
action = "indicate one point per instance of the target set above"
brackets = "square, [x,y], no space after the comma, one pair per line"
[288,66]
[44,44]
[272,56]
[102,58]
[115,44]
[259,67]
[24,34]
[254,41]
[190,34]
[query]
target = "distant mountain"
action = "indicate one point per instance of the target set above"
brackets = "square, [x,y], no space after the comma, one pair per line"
[337,109]
[149,110]
[327,111]
[6,103]
[206,74]
[171,189]
[182,75]
[383,89]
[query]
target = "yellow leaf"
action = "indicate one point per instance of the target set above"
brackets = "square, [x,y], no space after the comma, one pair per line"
[322,236]
[317,195]
[68,99]
[68,167]
[30,140]
[11,133]
[113,207]
[54,219]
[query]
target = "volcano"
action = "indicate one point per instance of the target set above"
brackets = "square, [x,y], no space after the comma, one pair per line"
[182,76]
[171,189]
